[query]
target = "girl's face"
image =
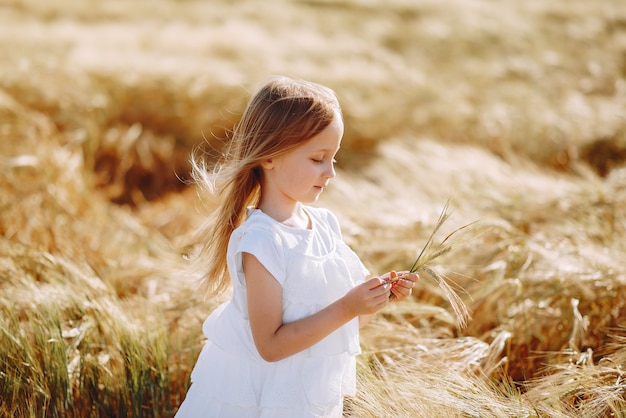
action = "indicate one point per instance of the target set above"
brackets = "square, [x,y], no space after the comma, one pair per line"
[301,174]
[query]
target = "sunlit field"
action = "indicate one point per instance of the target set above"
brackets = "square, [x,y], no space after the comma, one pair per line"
[513,111]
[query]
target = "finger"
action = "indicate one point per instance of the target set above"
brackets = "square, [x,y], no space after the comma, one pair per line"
[385,289]
[380,301]
[404,284]
[375,282]
[411,278]
[384,296]
[405,292]
[396,296]
[398,291]
[381,291]
[400,276]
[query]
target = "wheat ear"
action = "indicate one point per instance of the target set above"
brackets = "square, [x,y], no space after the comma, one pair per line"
[428,254]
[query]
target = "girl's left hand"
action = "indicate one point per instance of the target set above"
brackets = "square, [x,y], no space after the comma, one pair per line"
[401,284]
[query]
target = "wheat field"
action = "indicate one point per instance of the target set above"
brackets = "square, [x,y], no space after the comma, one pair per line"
[514,112]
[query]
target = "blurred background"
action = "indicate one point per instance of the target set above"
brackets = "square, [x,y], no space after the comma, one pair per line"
[513,111]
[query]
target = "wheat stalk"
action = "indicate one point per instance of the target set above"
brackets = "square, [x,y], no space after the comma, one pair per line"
[429,253]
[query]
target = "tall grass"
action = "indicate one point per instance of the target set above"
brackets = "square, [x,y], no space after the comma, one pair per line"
[514,108]
[72,350]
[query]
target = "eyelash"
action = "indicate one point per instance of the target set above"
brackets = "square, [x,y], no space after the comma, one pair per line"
[316,161]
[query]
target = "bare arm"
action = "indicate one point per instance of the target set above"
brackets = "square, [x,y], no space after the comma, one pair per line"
[365,319]
[276,340]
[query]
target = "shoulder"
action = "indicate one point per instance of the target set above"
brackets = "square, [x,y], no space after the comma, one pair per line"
[258,235]
[261,237]
[257,227]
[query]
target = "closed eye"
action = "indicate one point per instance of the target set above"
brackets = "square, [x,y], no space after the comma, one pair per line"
[321,160]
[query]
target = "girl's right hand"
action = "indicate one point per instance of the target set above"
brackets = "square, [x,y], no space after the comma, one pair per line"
[368,297]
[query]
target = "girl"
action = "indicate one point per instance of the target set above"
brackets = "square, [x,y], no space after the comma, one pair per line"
[285,344]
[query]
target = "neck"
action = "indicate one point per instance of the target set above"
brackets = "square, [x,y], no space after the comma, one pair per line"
[293,216]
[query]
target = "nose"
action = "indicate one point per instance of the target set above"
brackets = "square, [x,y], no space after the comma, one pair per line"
[330,170]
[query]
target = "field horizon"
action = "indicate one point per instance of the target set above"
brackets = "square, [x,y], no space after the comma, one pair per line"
[513,112]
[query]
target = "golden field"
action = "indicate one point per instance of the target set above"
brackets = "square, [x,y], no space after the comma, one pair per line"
[515,111]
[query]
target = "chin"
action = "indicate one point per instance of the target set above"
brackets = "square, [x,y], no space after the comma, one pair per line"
[312,199]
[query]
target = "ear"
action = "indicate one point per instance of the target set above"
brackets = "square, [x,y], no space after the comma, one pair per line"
[267,164]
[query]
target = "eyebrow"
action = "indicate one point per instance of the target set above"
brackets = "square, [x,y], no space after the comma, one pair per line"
[325,150]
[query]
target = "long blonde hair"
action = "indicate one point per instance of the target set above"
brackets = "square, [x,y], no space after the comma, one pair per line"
[282,115]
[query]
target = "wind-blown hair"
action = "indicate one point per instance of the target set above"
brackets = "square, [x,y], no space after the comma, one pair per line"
[282,115]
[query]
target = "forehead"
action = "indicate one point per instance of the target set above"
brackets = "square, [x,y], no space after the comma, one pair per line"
[327,140]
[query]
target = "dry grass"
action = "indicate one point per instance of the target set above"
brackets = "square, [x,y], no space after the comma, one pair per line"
[514,109]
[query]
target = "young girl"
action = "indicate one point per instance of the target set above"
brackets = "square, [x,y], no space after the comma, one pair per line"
[285,344]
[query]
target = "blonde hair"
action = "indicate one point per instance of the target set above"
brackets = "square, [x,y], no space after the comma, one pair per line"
[282,115]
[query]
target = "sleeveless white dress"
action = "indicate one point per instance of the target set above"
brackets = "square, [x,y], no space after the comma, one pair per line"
[315,268]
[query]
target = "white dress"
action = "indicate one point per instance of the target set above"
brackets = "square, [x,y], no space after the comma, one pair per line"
[315,268]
